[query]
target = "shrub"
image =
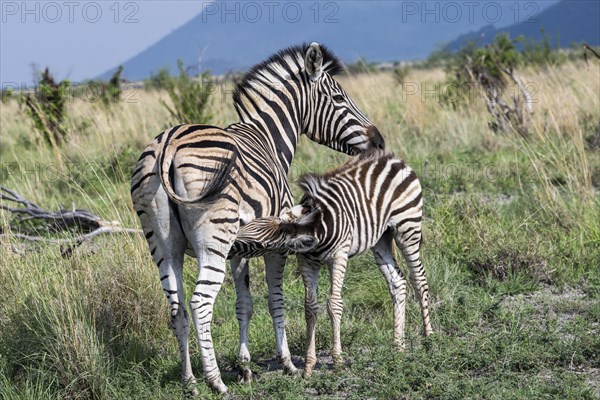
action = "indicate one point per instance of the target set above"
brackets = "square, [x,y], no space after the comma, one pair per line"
[161,81]
[105,92]
[541,52]
[47,108]
[112,90]
[6,95]
[401,73]
[441,56]
[361,66]
[190,97]
[490,69]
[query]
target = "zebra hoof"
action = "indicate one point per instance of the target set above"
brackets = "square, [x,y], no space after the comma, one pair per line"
[307,373]
[218,386]
[399,346]
[191,392]
[189,388]
[244,375]
[290,370]
[338,362]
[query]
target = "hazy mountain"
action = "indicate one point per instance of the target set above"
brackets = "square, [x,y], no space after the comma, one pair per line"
[565,22]
[231,36]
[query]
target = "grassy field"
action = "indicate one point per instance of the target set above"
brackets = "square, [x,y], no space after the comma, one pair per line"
[512,253]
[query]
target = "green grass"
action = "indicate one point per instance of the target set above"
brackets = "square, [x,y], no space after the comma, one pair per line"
[512,250]
[88,331]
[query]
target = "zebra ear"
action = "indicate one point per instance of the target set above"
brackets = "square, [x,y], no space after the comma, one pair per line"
[285,214]
[313,61]
[302,243]
[310,216]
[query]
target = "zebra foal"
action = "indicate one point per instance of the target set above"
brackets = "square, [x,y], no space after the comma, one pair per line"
[366,203]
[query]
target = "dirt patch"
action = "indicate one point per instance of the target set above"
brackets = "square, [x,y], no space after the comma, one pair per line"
[561,305]
[500,199]
[593,380]
[509,262]
[566,301]
[324,361]
[552,303]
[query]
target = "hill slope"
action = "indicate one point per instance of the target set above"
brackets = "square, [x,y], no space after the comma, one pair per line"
[565,22]
[234,36]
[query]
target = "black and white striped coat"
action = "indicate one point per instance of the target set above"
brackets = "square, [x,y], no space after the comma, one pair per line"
[367,203]
[195,185]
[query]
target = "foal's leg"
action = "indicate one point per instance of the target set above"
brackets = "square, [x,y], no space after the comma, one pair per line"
[337,271]
[384,258]
[310,277]
[410,244]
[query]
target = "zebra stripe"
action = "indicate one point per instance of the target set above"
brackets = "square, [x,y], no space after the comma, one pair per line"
[195,185]
[367,203]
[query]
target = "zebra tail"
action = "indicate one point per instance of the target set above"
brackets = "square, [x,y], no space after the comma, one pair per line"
[221,176]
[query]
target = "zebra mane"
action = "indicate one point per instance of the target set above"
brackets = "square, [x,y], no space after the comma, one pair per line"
[331,64]
[311,183]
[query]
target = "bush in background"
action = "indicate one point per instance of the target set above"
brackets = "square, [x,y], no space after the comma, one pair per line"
[47,108]
[490,70]
[189,96]
[401,73]
[541,52]
[161,81]
[111,92]
[6,95]
[100,91]
[361,66]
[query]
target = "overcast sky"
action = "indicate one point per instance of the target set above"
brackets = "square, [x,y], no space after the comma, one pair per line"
[70,35]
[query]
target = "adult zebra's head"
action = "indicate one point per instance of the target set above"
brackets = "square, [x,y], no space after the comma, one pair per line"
[333,119]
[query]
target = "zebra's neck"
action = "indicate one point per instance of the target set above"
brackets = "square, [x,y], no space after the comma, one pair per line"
[271,101]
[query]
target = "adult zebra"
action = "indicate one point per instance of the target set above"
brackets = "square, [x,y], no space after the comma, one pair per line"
[194,185]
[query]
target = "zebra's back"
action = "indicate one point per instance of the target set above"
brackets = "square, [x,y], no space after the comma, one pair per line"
[360,201]
[197,163]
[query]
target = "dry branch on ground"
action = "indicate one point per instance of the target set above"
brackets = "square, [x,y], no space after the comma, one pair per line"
[30,220]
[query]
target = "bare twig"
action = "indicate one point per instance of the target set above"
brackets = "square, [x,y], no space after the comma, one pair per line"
[527,100]
[591,49]
[11,195]
[57,221]
[82,238]
[586,48]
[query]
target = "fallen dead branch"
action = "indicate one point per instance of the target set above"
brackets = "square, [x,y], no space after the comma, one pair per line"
[30,220]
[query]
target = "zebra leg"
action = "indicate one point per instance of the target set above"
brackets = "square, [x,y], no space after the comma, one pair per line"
[180,324]
[275,264]
[243,310]
[211,264]
[310,277]
[410,244]
[384,258]
[167,245]
[337,271]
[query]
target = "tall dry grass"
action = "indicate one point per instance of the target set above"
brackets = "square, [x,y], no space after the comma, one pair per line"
[414,124]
